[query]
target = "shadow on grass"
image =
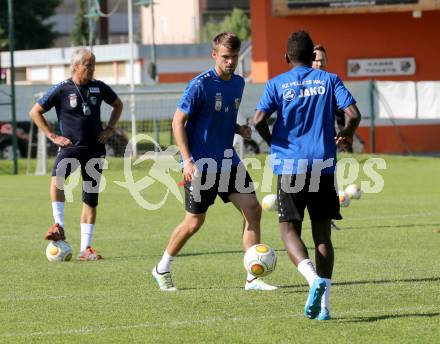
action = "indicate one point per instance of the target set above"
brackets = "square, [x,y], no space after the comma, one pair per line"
[404,280]
[281,288]
[303,286]
[192,254]
[408,225]
[212,288]
[388,316]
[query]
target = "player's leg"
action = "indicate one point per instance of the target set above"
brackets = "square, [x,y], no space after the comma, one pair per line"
[324,252]
[91,171]
[57,198]
[194,218]
[324,255]
[237,187]
[250,209]
[181,234]
[65,164]
[244,199]
[324,206]
[87,223]
[291,235]
[291,206]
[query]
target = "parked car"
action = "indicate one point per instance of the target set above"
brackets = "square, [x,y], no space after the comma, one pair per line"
[6,145]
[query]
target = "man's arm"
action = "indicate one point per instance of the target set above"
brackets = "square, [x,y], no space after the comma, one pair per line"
[354,117]
[261,125]
[244,131]
[179,120]
[36,115]
[114,118]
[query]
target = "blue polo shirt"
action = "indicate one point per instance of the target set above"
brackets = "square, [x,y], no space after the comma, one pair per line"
[211,105]
[83,130]
[304,99]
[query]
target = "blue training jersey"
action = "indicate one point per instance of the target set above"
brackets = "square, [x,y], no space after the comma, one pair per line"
[303,134]
[211,105]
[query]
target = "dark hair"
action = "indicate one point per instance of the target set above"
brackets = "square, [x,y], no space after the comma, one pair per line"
[228,40]
[319,47]
[300,47]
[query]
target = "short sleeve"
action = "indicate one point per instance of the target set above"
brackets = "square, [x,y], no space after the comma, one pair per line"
[268,103]
[343,97]
[192,98]
[50,99]
[108,94]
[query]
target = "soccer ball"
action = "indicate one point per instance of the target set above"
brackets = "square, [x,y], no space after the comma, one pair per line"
[344,199]
[353,191]
[269,202]
[59,251]
[260,260]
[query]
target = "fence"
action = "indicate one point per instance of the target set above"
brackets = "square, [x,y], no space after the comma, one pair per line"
[391,103]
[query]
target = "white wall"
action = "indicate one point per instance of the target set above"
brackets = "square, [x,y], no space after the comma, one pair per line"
[175,22]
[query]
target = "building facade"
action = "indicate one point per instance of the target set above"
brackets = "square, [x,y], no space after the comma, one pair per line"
[398,42]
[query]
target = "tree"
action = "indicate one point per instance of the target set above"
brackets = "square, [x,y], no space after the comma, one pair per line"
[80,31]
[32,30]
[3,39]
[237,22]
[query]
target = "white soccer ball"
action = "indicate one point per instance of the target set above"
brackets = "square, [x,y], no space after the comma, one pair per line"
[269,202]
[260,260]
[353,191]
[344,199]
[59,251]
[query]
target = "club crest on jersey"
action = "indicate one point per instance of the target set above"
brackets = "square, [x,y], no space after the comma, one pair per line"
[289,94]
[218,102]
[73,101]
[237,103]
[93,100]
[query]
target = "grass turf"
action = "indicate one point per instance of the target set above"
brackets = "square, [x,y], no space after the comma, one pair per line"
[385,285]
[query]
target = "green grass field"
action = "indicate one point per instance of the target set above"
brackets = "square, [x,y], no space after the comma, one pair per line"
[386,278]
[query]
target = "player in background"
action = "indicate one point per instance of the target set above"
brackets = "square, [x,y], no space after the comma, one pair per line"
[303,149]
[204,125]
[77,102]
[320,62]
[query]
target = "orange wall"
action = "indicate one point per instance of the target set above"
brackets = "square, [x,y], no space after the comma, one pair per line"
[177,77]
[373,35]
[403,138]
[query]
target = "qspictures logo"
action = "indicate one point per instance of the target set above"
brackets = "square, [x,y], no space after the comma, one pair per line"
[164,162]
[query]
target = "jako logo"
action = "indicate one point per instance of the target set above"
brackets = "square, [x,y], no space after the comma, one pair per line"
[311,91]
[289,94]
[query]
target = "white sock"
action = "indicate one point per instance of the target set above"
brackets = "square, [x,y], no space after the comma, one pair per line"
[165,263]
[306,268]
[250,277]
[58,212]
[325,301]
[86,235]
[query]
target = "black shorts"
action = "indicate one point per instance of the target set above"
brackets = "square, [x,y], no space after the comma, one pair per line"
[321,199]
[200,194]
[90,161]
